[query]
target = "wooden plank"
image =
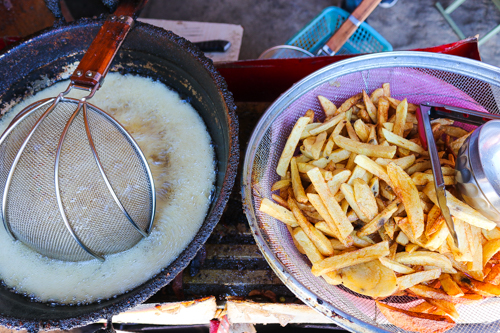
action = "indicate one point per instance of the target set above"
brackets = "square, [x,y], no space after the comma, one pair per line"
[203,31]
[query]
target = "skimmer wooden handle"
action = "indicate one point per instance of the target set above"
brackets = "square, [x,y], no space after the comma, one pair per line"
[95,63]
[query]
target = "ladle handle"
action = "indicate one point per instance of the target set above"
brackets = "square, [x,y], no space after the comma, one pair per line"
[342,35]
[95,63]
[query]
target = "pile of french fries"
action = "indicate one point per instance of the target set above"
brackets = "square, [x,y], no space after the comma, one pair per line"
[360,203]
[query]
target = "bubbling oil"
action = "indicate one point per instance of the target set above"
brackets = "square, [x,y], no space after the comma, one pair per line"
[178,148]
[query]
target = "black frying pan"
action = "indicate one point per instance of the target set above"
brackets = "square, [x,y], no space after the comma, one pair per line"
[147,51]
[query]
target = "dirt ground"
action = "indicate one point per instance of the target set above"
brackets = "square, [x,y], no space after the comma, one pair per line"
[409,24]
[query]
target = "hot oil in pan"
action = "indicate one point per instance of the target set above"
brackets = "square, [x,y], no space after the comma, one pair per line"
[176,143]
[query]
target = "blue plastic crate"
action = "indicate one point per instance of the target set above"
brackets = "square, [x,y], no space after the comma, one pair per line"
[314,35]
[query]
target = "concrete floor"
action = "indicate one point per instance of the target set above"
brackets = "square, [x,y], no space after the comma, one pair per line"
[409,24]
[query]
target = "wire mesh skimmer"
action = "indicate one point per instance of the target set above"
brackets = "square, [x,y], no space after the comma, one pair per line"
[420,77]
[74,184]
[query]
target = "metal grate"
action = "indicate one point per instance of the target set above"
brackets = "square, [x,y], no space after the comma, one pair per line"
[420,77]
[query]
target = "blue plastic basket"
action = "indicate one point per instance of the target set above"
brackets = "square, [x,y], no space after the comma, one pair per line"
[314,35]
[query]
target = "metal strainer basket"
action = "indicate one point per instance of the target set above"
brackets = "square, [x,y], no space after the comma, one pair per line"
[418,76]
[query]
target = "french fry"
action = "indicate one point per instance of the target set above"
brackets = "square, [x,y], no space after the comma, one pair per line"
[350,162]
[320,162]
[310,250]
[297,245]
[324,228]
[462,267]
[427,292]
[386,192]
[439,237]
[298,189]
[344,226]
[359,172]
[491,234]
[349,103]
[402,239]
[320,241]
[382,115]
[351,258]
[403,143]
[376,94]
[420,178]
[320,207]
[446,171]
[403,162]
[460,209]
[313,254]
[454,131]
[337,180]
[318,145]
[490,248]
[374,185]
[407,192]
[419,167]
[399,123]
[455,145]
[415,321]
[394,103]
[493,276]
[378,221]
[365,148]
[361,130]
[396,266]
[476,246]
[410,248]
[481,288]
[364,198]
[387,89]
[363,115]
[442,121]
[390,228]
[339,155]
[372,137]
[433,221]
[310,114]
[328,107]
[424,307]
[327,124]
[279,200]
[348,192]
[327,150]
[305,133]
[407,281]
[463,252]
[450,286]
[425,258]
[351,132]
[278,212]
[362,241]
[370,108]
[280,184]
[290,145]
[446,306]
[372,167]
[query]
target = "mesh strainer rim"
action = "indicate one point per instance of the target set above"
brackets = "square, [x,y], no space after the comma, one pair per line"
[415,59]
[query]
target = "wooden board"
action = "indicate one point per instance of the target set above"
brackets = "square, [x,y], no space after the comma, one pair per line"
[203,31]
